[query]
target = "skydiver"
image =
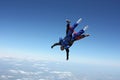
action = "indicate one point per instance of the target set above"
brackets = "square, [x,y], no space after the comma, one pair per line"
[71,37]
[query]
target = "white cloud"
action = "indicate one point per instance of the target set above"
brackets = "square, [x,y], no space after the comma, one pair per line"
[6,76]
[37,73]
[46,69]
[58,72]
[18,79]
[10,76]
[41,66]
[62,75]
[19,71]
[24,72]
[18,64]
[3,76]
[41,79]
[13,71]
[38,64]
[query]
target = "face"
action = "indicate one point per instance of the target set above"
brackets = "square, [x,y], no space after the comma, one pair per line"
[62,48]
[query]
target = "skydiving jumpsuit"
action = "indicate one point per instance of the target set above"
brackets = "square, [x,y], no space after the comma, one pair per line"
[69,38]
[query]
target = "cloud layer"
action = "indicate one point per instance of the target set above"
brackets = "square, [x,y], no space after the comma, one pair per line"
[18,69]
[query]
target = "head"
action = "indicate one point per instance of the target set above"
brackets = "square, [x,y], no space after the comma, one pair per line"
[61,48]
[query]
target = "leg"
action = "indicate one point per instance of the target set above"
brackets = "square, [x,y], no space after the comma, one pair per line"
[76,24]
[67,54]
[67,26]
[71,29]
[77,36]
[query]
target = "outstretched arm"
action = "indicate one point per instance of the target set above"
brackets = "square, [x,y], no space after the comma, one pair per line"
[56,44]
[67,54]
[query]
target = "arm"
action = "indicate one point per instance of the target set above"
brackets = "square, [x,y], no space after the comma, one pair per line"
[56,44]
[67,54]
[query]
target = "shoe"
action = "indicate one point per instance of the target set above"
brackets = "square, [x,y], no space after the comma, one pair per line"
[85,28]
[86,35]
[79,20]
[68,21]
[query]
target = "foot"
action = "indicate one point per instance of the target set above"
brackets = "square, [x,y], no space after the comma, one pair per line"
[68,21]
[85,28]
[79,20]
[86,35]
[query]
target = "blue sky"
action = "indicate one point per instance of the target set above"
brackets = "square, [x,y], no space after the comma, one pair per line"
[32,26]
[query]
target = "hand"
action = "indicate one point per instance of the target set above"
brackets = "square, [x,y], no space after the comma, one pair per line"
[51,46]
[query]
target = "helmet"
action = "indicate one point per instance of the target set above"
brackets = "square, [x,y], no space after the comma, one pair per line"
[61,48]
